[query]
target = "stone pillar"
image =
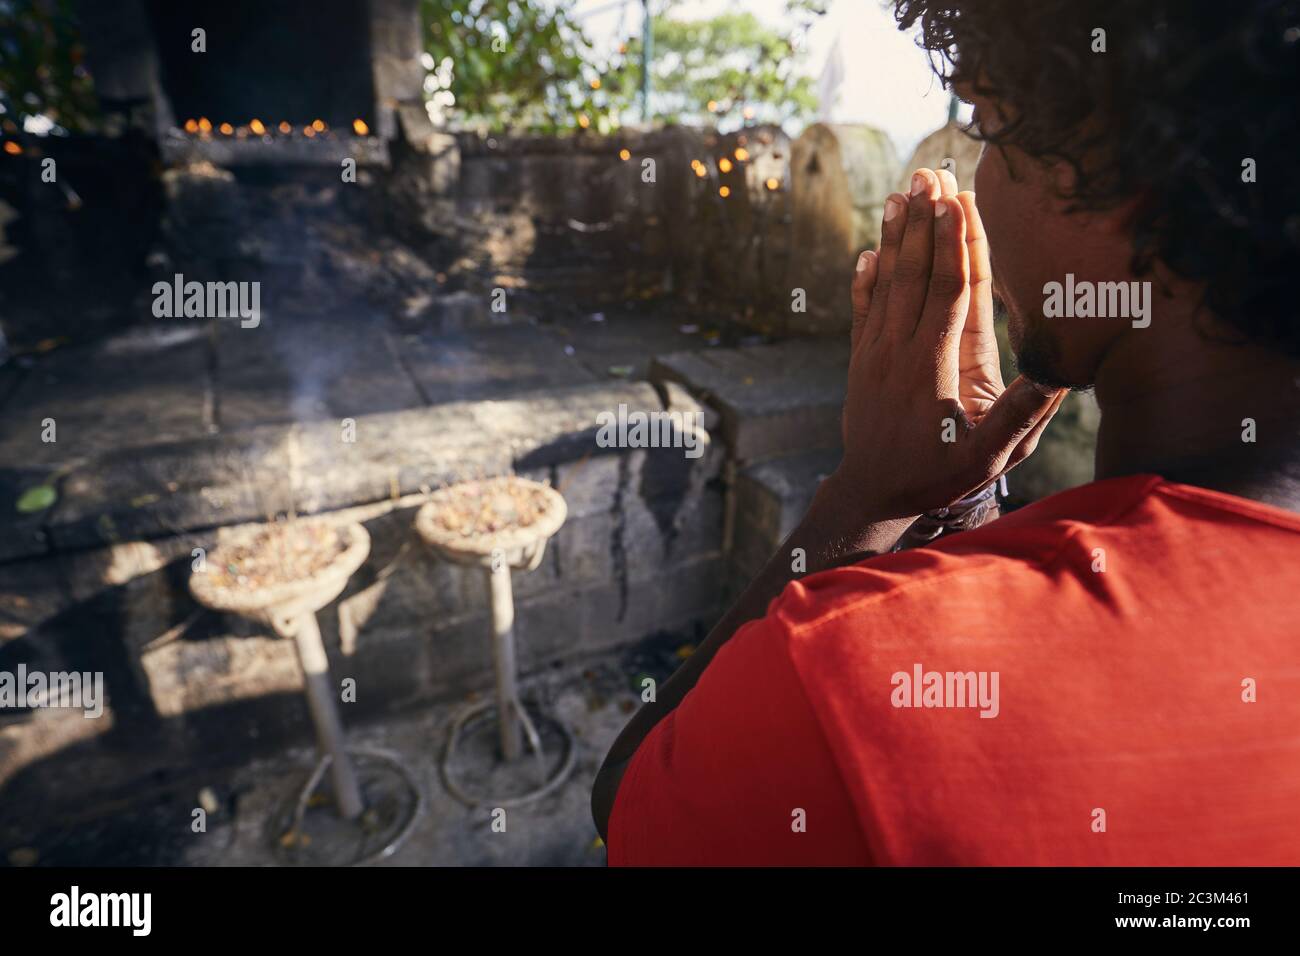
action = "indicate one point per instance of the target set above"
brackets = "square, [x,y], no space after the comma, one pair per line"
[395,61]
[949,142]
[121,56]
[839,177]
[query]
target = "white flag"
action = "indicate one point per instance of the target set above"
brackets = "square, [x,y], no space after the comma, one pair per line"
[828,85]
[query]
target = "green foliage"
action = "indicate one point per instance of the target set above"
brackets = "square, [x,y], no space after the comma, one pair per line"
[513,64]
[41,70]
[730,67]
[543,73]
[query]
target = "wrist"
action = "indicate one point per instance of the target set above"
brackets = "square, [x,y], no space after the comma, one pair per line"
[964,514]
[850,523]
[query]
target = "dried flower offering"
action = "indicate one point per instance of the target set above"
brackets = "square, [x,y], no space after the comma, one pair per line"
[476,508]
[280,553]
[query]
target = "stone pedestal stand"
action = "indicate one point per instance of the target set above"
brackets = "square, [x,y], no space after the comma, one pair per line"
[290,610]
[498,553]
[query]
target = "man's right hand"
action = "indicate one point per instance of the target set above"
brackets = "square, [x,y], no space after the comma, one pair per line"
[927,421]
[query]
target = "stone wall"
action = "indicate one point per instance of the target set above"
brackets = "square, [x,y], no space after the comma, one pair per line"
[731,223]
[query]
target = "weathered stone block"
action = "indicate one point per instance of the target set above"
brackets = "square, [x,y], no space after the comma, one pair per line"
[840,178]
[190,675]
[31,591]
[144,387]
[773,399]
[489,358]
[948,142]
[770,499]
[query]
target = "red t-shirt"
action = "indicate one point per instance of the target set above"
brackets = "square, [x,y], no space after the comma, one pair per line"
[1145,710]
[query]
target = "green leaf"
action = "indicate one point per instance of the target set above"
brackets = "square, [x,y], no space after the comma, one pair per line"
[36,499]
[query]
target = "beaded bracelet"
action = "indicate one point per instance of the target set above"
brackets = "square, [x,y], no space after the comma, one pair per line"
[961,515]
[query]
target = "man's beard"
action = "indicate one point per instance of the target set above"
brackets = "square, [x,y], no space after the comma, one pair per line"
[1036,348]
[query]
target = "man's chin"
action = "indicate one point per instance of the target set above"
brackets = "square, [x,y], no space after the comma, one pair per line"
[1037,350]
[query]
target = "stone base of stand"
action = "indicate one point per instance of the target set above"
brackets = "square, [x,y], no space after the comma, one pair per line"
[307,830]
[475,774]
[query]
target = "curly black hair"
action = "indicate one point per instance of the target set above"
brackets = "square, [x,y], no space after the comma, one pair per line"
[1185,93]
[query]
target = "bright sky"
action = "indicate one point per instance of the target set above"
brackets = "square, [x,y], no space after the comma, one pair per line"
[887,79]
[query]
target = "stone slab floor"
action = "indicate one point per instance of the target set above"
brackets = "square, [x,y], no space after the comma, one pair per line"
[594,697]
[178,379]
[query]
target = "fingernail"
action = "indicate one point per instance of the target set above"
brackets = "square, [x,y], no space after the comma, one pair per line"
[863,260]
[919,184]
[940,210]
[892,208]
[1045,389]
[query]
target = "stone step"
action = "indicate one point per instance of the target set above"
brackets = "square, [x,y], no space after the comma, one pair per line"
[143,387]
[308,366]
[246,475]
[770,499]
[491,362]
[773,400]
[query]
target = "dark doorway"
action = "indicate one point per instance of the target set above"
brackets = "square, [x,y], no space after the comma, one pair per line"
[294,60]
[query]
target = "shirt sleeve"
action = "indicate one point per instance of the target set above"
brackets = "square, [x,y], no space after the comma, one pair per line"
[739,774]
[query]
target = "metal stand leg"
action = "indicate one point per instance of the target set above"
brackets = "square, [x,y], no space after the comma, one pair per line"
[325,716]
[503,654]
[513,721]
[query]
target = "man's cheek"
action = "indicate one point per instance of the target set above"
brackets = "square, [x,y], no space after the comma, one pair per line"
[990,193]
[1015,333]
